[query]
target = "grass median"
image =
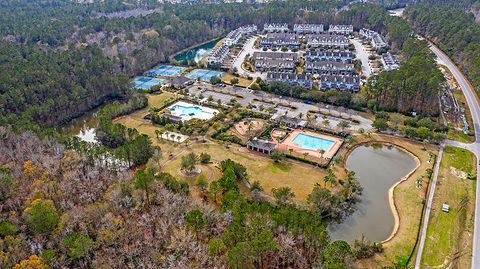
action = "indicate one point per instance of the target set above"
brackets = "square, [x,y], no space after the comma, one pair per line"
[449,235]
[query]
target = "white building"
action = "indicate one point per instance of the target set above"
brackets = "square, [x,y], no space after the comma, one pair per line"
[217,56]
[308,28]
[234,36]
[376,39]
[323,40]
[340,29]
[275,27]
[390,61]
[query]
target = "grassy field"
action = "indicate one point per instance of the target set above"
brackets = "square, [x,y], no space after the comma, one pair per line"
[259,167]
[300,177]
[459,135]
[242,82]
[449,235]
[136,120]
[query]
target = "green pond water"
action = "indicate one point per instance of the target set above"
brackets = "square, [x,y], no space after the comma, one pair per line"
[84,126]
[378,168]
[196,53]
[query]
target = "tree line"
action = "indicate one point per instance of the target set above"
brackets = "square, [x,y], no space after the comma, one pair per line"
[455,31]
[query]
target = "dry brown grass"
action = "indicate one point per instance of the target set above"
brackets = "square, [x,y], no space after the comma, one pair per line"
[242,82]
[300,177]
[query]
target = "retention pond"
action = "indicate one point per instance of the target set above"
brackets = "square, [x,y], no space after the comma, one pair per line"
[378,168]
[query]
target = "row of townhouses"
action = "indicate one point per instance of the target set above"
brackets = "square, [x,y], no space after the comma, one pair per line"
[234,36]
[274,55]
[328,67]
[308,28]
[324,40]
[277,40]
[376,40]
[340,29]
[275,27]
[217,55]
[390,61]
[303,80]
[275,65]
[328,55]
[340,82]
[291,41]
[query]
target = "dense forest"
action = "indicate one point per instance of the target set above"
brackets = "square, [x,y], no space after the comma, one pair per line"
[65,57]
[454,31]
[415,86]
[96,50]
[60,209]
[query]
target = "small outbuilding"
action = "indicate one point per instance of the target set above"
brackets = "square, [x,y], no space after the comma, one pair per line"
[445,208]
[289,121]
[180,82]
[261,145]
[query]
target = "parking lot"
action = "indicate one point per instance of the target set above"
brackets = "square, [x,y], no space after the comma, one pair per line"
[293,107]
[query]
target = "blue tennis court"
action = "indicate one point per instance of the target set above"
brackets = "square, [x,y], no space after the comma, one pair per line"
[203,74]
[146,83]
[166,71]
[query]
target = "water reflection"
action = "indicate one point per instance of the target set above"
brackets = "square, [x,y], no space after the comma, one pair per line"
[378,168]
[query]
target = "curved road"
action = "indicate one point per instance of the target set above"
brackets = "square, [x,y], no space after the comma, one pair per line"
[474,106]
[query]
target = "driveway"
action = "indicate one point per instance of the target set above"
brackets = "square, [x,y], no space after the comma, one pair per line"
[247,49]
[362,54]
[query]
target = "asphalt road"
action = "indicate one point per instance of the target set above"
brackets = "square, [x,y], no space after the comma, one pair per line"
[247,49]
[474,106]
[362,54]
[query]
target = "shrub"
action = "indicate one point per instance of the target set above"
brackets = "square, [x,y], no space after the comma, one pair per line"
[7,228]
[43,217]
[204,157]
[77,245]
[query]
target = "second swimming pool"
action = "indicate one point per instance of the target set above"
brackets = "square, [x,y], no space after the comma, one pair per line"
[311,142]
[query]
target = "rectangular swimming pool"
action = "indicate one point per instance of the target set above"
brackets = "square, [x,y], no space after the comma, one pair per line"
[310,142]
[189,111]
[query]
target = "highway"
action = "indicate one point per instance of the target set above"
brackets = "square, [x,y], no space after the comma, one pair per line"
[474,106]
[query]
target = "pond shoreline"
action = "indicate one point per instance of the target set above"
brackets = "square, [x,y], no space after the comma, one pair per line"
[391,195]
[171,58]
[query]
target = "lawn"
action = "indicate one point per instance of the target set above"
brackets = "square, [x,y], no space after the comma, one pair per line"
[449,235]
[460,136]
[300,177]
[242,82]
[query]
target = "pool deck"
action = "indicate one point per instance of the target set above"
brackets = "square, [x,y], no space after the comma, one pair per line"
[289,144]
[207,113]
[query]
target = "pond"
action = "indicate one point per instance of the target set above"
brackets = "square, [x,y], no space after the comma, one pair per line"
[378,168]
[84,126]
[196,53]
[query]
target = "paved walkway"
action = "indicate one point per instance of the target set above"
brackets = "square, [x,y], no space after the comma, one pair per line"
[431,193]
